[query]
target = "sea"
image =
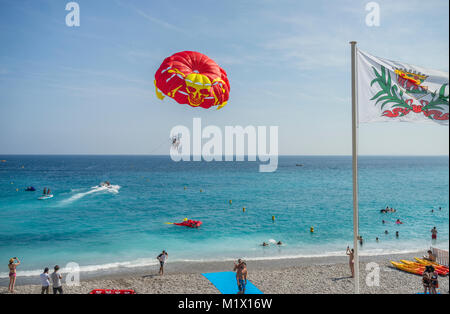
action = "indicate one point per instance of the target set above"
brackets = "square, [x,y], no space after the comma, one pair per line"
[128,224]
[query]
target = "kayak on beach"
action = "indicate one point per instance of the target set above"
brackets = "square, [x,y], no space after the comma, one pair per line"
[416,269]
[440,270]
[425,262]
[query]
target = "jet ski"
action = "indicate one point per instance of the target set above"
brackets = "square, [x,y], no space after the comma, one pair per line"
[30,189]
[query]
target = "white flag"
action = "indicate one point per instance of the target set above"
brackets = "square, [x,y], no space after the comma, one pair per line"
[396,91]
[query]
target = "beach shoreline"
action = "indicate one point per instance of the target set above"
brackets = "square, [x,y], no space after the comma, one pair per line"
[281,276]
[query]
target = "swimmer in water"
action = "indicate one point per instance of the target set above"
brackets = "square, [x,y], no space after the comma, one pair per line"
[264,244]
[279,243]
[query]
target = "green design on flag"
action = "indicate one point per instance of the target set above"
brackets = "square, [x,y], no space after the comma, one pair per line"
[395,91]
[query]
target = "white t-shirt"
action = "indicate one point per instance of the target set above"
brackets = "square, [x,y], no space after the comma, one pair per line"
[45,280]
[56,280]
[162,258]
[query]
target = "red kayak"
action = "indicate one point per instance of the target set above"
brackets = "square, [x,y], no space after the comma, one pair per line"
[189,223]
[112,291]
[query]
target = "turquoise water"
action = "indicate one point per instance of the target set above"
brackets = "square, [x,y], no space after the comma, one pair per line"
[125,227]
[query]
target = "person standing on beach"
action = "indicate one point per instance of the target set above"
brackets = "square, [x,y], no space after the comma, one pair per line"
[434,233]
[12,273]
[162,259]
[45,281]
[351,260]
[430,280]
[241,275]
[56,278]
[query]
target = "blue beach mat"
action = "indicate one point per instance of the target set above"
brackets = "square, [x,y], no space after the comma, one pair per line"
[225,282]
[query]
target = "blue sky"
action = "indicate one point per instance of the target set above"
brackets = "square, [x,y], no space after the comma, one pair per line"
[89,89]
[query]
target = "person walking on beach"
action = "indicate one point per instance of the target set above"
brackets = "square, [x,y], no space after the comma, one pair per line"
[241,275]
[351,260]
[162,259]
[13,263]
[45,281]
[434,233]
[56,279]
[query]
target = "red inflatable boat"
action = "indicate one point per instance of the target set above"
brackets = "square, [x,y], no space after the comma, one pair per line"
[189,223]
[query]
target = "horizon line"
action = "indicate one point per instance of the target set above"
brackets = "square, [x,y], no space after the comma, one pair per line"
[168,155]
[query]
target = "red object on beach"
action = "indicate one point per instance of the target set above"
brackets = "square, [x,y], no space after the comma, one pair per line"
[112,291]
[189,223]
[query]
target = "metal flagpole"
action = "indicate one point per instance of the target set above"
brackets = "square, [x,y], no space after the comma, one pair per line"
[355,167]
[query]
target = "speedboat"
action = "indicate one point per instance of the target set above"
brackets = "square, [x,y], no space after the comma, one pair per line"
[44,197]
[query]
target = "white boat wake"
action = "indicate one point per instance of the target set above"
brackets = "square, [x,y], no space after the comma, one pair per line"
[95,189]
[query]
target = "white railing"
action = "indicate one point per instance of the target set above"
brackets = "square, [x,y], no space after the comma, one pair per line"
[441,256]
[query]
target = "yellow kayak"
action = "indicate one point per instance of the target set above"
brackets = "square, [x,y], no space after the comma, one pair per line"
[408,268]
[425,262]
[440,269]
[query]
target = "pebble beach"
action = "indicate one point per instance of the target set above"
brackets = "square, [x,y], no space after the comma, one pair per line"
[318,275]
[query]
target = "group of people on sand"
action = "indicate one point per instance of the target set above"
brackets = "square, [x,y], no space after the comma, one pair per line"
[240,268]
[55,277]
[430,280]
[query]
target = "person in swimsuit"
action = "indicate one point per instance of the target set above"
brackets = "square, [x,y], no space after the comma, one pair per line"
[162,259]
[434,282]
[241,275]
[48,192]
[351,260]
[434,233]
[12,273]
[429,280]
